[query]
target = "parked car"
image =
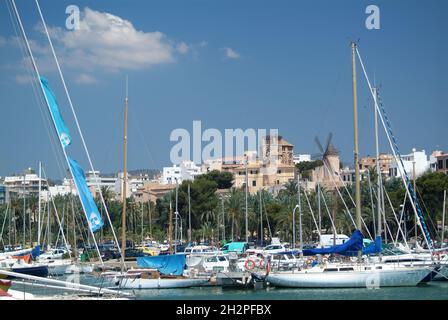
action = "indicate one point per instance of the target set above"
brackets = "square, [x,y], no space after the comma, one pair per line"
[201,249]
[53,254]
[275,248]
[110,254]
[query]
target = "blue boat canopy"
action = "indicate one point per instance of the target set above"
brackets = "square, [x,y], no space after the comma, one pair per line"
[166,264]
[349,248]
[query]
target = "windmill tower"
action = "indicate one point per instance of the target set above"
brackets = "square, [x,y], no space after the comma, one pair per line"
[327,173]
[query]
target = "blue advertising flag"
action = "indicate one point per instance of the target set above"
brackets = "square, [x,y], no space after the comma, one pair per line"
[61,129]
[90,209]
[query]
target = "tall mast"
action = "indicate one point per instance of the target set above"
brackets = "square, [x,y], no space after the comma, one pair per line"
[150,218]
[443,217]
[378,168]
[189,214]
[123,191]
[320,213]
[356,151]
[170,228]
[300,215]
[261,222]
[176,214]
[247,181]
[39,204]
[24,212]
[74,224]
[143,207]
[223,219]
[415,196]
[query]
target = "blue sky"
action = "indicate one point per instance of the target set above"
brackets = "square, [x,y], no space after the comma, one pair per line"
[231,64]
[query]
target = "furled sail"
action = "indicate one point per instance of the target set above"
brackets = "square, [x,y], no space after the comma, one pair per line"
[348,248]
[90,209]
[61,129]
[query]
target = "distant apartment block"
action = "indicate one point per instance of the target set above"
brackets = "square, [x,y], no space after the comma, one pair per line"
[95,180]
[442,163]
[416,159]
[297,158]
[133,184]
[27,185]
[187,170]
[151,191]
[261,174]
[3,195]
[385,160]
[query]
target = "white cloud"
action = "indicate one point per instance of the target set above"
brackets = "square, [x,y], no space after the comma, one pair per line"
[231,54]
[111,43]
[182,47]
[23,79]
[84,78]
[103,43]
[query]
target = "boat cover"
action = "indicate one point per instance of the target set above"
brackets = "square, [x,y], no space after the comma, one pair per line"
[373,247]
[166,264]
[348,248]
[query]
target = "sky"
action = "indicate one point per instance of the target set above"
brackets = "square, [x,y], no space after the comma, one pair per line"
[282,65]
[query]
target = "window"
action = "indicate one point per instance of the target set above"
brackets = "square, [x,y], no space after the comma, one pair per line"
[446,163]
[440,164]
[254,183]
[345,269]
[279,171]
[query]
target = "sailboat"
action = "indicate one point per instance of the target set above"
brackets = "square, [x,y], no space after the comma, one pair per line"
[155,272]
[360,274]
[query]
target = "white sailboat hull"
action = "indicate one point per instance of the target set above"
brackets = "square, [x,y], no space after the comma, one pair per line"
[442,274]
[79,268]
[400,277]
[58,269]
[161,283]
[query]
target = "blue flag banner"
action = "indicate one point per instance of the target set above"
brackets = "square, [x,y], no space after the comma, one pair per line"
[90,209]
[61,129]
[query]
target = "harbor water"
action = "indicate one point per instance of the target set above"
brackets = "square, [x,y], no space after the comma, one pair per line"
[435,290]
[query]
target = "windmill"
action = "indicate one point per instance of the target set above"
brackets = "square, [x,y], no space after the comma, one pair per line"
[326,155]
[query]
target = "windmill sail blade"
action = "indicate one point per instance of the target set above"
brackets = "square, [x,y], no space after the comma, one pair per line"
[88,204]
[330,136]
[316,139]
[61,129]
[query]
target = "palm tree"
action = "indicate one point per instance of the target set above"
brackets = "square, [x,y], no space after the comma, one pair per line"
[290,188]
[235,205]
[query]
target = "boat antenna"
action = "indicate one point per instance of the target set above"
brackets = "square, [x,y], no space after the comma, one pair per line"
[123,191]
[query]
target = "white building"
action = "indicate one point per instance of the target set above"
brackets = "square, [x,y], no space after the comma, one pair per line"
[67,187]
[134,183]
[93,179]
[187,170]
[422,164]
[27,184]
[297,158]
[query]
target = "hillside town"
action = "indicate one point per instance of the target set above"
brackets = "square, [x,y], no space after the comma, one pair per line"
[327,170]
